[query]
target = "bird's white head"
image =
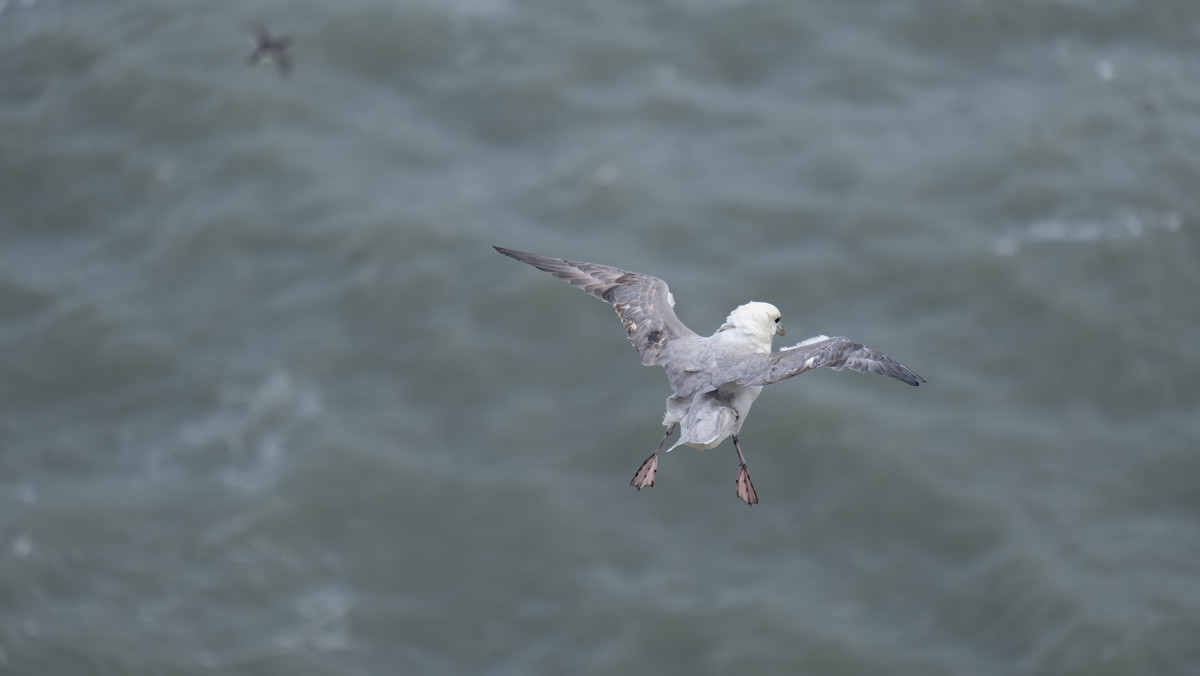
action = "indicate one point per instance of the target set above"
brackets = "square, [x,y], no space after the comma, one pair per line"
[755,322]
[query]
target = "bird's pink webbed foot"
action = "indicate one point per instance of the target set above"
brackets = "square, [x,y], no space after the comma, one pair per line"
[745,487]
[645,473]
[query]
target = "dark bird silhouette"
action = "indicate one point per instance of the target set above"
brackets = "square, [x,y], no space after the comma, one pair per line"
[268,49]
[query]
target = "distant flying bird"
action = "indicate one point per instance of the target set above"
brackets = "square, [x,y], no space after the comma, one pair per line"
[268,49]
[715,378]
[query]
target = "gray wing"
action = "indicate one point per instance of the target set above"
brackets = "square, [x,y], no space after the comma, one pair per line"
[642,302]
[836,353]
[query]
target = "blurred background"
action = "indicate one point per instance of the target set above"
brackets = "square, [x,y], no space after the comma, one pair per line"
[271,404]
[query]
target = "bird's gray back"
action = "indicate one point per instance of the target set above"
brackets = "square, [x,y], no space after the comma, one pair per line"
[704,364]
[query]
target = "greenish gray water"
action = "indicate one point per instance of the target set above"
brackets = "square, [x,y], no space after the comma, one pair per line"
[269,402]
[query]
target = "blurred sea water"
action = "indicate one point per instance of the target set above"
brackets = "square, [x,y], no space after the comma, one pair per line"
[270,403]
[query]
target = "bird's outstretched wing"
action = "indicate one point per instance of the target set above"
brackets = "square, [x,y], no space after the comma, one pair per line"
[836,353]
[642,302]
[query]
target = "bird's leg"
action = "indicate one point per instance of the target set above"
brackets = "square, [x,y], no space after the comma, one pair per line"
[745,488]
[645,473]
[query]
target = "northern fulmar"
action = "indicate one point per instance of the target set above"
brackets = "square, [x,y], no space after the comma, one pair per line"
[715,378]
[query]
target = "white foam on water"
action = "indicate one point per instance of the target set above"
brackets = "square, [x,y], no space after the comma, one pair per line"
[22,546]
[255,427]
[1124,225]
[320,621]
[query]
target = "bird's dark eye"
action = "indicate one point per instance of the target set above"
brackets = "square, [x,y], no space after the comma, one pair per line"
[777,320]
